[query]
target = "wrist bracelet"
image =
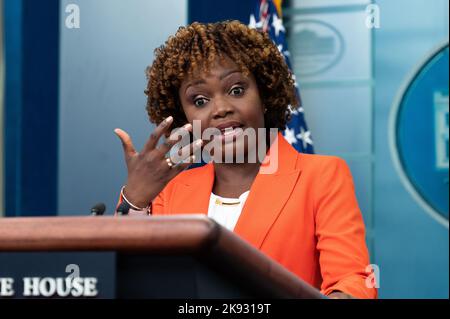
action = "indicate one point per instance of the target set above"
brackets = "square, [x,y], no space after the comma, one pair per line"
[134,207]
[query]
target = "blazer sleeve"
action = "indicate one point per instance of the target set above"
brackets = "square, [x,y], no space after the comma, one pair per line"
[158,204]
[340,233]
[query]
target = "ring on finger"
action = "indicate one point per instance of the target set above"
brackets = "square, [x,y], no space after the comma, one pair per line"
[169,162]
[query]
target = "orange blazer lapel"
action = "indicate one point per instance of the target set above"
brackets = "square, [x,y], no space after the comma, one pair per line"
[268,195]
[191,194]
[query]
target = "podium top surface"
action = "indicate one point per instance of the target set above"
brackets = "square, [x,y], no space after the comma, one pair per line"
[189,232]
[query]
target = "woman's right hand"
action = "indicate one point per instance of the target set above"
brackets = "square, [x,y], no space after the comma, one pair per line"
[148,170]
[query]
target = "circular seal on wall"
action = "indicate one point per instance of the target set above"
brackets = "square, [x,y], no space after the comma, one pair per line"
[319,46]
[419,131]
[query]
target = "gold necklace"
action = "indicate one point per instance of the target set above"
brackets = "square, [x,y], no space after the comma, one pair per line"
[219,202]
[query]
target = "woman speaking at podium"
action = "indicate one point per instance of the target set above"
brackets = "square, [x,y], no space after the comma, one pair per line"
[219,83]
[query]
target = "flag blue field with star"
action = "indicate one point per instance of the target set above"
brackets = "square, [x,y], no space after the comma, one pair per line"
[266,18]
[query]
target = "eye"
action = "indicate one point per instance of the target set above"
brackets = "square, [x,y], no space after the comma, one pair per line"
[200,101]
[237,91]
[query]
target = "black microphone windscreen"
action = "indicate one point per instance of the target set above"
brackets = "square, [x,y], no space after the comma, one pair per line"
[123,208]
[98,209]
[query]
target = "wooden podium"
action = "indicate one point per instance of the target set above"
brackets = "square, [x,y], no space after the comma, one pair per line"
[143,257]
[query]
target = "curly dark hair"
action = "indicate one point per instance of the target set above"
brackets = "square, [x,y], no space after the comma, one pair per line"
[196,46]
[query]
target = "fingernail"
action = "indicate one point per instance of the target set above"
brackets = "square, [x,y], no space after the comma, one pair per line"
[169,119]
[187,126]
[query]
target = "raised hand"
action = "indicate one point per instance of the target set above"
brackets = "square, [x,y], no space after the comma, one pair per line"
[149,171]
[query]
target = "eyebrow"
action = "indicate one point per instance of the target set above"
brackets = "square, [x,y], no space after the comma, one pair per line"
[227,73]
[221,77]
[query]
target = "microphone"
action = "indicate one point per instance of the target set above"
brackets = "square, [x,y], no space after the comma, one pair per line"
[123,208]
[98,209]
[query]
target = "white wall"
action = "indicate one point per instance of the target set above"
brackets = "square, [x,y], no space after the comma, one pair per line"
[102,81]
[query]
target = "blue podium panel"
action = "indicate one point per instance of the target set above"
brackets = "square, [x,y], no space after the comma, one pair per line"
[52,274]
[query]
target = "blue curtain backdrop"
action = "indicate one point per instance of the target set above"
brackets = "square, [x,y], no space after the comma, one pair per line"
[31,35]
[213,11]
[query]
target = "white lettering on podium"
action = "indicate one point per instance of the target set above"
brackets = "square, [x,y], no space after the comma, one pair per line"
[60,287]
[77,287]
[63,287]
[47,287]
[90,287]
[6,287]
[31,286]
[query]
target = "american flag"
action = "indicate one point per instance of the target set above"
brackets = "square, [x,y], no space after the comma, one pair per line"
[266,17]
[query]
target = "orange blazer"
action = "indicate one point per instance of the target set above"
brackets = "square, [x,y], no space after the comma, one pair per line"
[304,215]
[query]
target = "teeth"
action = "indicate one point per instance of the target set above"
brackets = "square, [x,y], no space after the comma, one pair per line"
[228,130]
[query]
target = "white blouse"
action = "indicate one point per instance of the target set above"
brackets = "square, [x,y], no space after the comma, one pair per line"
[226,211]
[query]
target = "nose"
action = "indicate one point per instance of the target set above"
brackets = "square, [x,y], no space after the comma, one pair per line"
[222,108]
